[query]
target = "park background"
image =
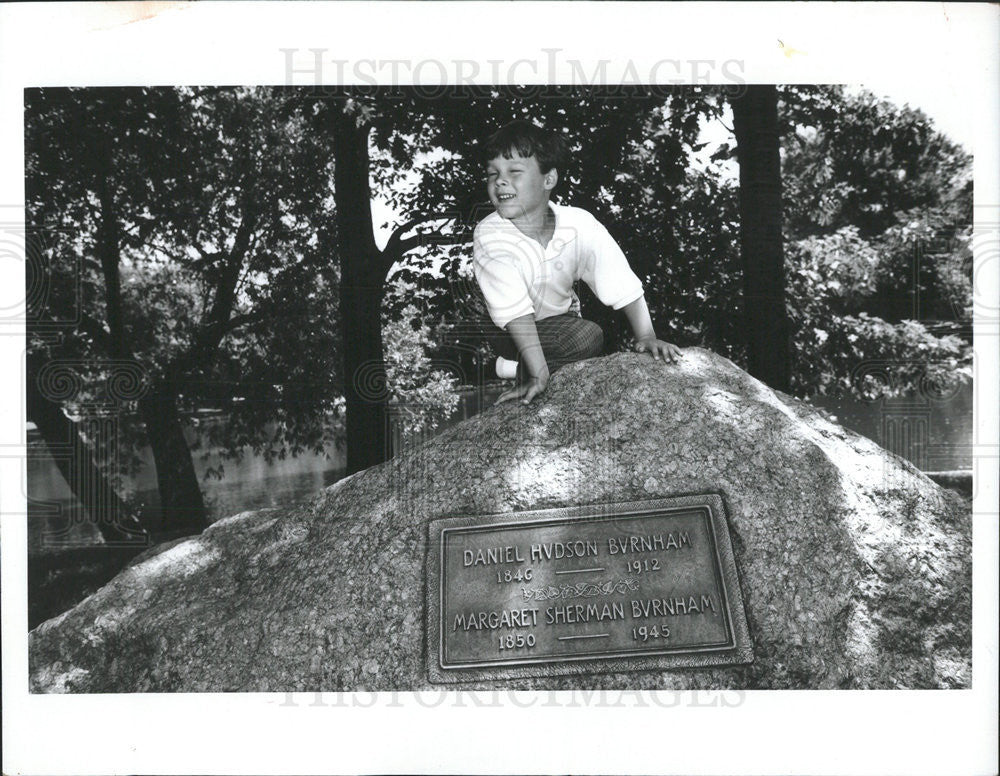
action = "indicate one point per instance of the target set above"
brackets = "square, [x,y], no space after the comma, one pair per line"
[239,295]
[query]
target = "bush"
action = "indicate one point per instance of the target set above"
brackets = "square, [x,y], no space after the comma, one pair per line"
[838,347]
[420,396]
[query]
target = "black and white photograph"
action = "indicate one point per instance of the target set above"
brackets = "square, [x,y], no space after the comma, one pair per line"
[458,390]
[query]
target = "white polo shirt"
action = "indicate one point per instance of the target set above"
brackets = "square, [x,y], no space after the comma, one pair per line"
[518,277]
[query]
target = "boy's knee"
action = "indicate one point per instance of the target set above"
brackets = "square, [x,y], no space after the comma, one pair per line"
[591,340]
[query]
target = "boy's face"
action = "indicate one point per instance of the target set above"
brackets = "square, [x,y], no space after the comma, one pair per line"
[517,186]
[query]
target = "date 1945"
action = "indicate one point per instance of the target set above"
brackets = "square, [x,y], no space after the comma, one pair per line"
[647,632]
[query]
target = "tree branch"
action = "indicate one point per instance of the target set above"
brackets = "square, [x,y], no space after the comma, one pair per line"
[435,237]
[397,247]
[225,294]
[237,321]
[161,250]
[108,247]
[206,256]
[217,317]
[395,239]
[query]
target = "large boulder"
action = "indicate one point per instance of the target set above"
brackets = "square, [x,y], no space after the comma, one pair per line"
[855,568]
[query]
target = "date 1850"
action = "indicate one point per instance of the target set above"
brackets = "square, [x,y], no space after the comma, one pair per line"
[517,641]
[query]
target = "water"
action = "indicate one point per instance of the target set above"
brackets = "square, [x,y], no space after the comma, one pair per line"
[934,435]
[56,520]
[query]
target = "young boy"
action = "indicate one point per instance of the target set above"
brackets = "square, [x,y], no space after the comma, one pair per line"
[528,254]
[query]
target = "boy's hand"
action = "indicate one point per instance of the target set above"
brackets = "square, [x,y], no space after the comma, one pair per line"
[637,313]
[525,335]
[659,349]
[526,391]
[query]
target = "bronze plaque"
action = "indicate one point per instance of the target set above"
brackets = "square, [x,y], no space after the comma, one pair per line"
[614,587]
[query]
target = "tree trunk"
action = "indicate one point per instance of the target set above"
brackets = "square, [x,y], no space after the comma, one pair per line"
[361,288]
[364,377]
[181,504]
[755,124]
[75,461]
[182,508]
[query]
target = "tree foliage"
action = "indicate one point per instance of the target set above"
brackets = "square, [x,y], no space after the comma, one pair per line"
[858,160]
[189,231]
[878,231]
[421,394]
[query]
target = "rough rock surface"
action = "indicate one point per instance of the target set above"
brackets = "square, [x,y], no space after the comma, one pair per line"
[855,567]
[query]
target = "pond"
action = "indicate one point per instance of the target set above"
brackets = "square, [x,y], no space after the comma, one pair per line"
[934,434]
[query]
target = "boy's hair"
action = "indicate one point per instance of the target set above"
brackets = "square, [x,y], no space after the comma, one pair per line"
[527,139]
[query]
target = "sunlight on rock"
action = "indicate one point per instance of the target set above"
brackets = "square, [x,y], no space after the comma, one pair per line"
[860,639]
[553,473]
[249,516]
[182,560]
[65,682]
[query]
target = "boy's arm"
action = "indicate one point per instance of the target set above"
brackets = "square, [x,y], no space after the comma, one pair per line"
[637,313]
[613,280]
[525,335]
